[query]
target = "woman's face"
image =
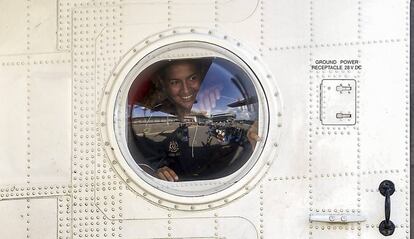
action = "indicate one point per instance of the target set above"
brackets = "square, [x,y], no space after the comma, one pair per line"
[182,83]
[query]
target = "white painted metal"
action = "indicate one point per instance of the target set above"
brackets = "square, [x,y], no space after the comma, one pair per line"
[338,102]
[214,192]
[337,218]
[64,66]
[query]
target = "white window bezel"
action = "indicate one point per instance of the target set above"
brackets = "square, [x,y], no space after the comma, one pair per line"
[111,105]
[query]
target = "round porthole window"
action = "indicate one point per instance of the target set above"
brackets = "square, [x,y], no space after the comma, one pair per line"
[188,119]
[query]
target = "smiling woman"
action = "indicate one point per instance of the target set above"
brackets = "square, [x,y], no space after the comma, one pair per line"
[192,119]
[181,80]
[189,118]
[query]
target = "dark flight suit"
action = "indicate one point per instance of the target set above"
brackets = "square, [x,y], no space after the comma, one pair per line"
[201,162]
[208,159]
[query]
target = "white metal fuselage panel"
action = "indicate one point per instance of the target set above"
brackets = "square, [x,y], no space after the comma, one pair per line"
[57,57]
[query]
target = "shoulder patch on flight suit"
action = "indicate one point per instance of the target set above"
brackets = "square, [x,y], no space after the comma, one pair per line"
[173,147]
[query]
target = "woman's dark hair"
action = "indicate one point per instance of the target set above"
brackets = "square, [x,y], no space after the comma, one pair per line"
[201,64]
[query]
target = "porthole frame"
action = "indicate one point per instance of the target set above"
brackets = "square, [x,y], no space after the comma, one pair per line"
[131,178]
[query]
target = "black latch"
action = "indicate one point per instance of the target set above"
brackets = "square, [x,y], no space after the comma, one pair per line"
[386,189]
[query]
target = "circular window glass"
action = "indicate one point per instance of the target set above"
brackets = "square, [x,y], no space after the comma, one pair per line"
[191,118]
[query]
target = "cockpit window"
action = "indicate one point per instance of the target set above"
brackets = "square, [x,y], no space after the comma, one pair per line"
[192,119]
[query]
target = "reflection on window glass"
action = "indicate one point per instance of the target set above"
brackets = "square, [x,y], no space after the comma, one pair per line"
[192,119]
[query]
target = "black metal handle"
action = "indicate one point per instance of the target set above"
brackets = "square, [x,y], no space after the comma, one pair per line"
[386,189]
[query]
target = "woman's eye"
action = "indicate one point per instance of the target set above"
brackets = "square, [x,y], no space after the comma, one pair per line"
[194,77]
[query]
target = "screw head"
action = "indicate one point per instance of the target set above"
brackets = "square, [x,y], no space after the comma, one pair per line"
[386,229]
[386,187]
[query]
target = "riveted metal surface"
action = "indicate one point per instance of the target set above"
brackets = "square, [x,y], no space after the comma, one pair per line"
[92,216]
[118,161]
[59,177]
